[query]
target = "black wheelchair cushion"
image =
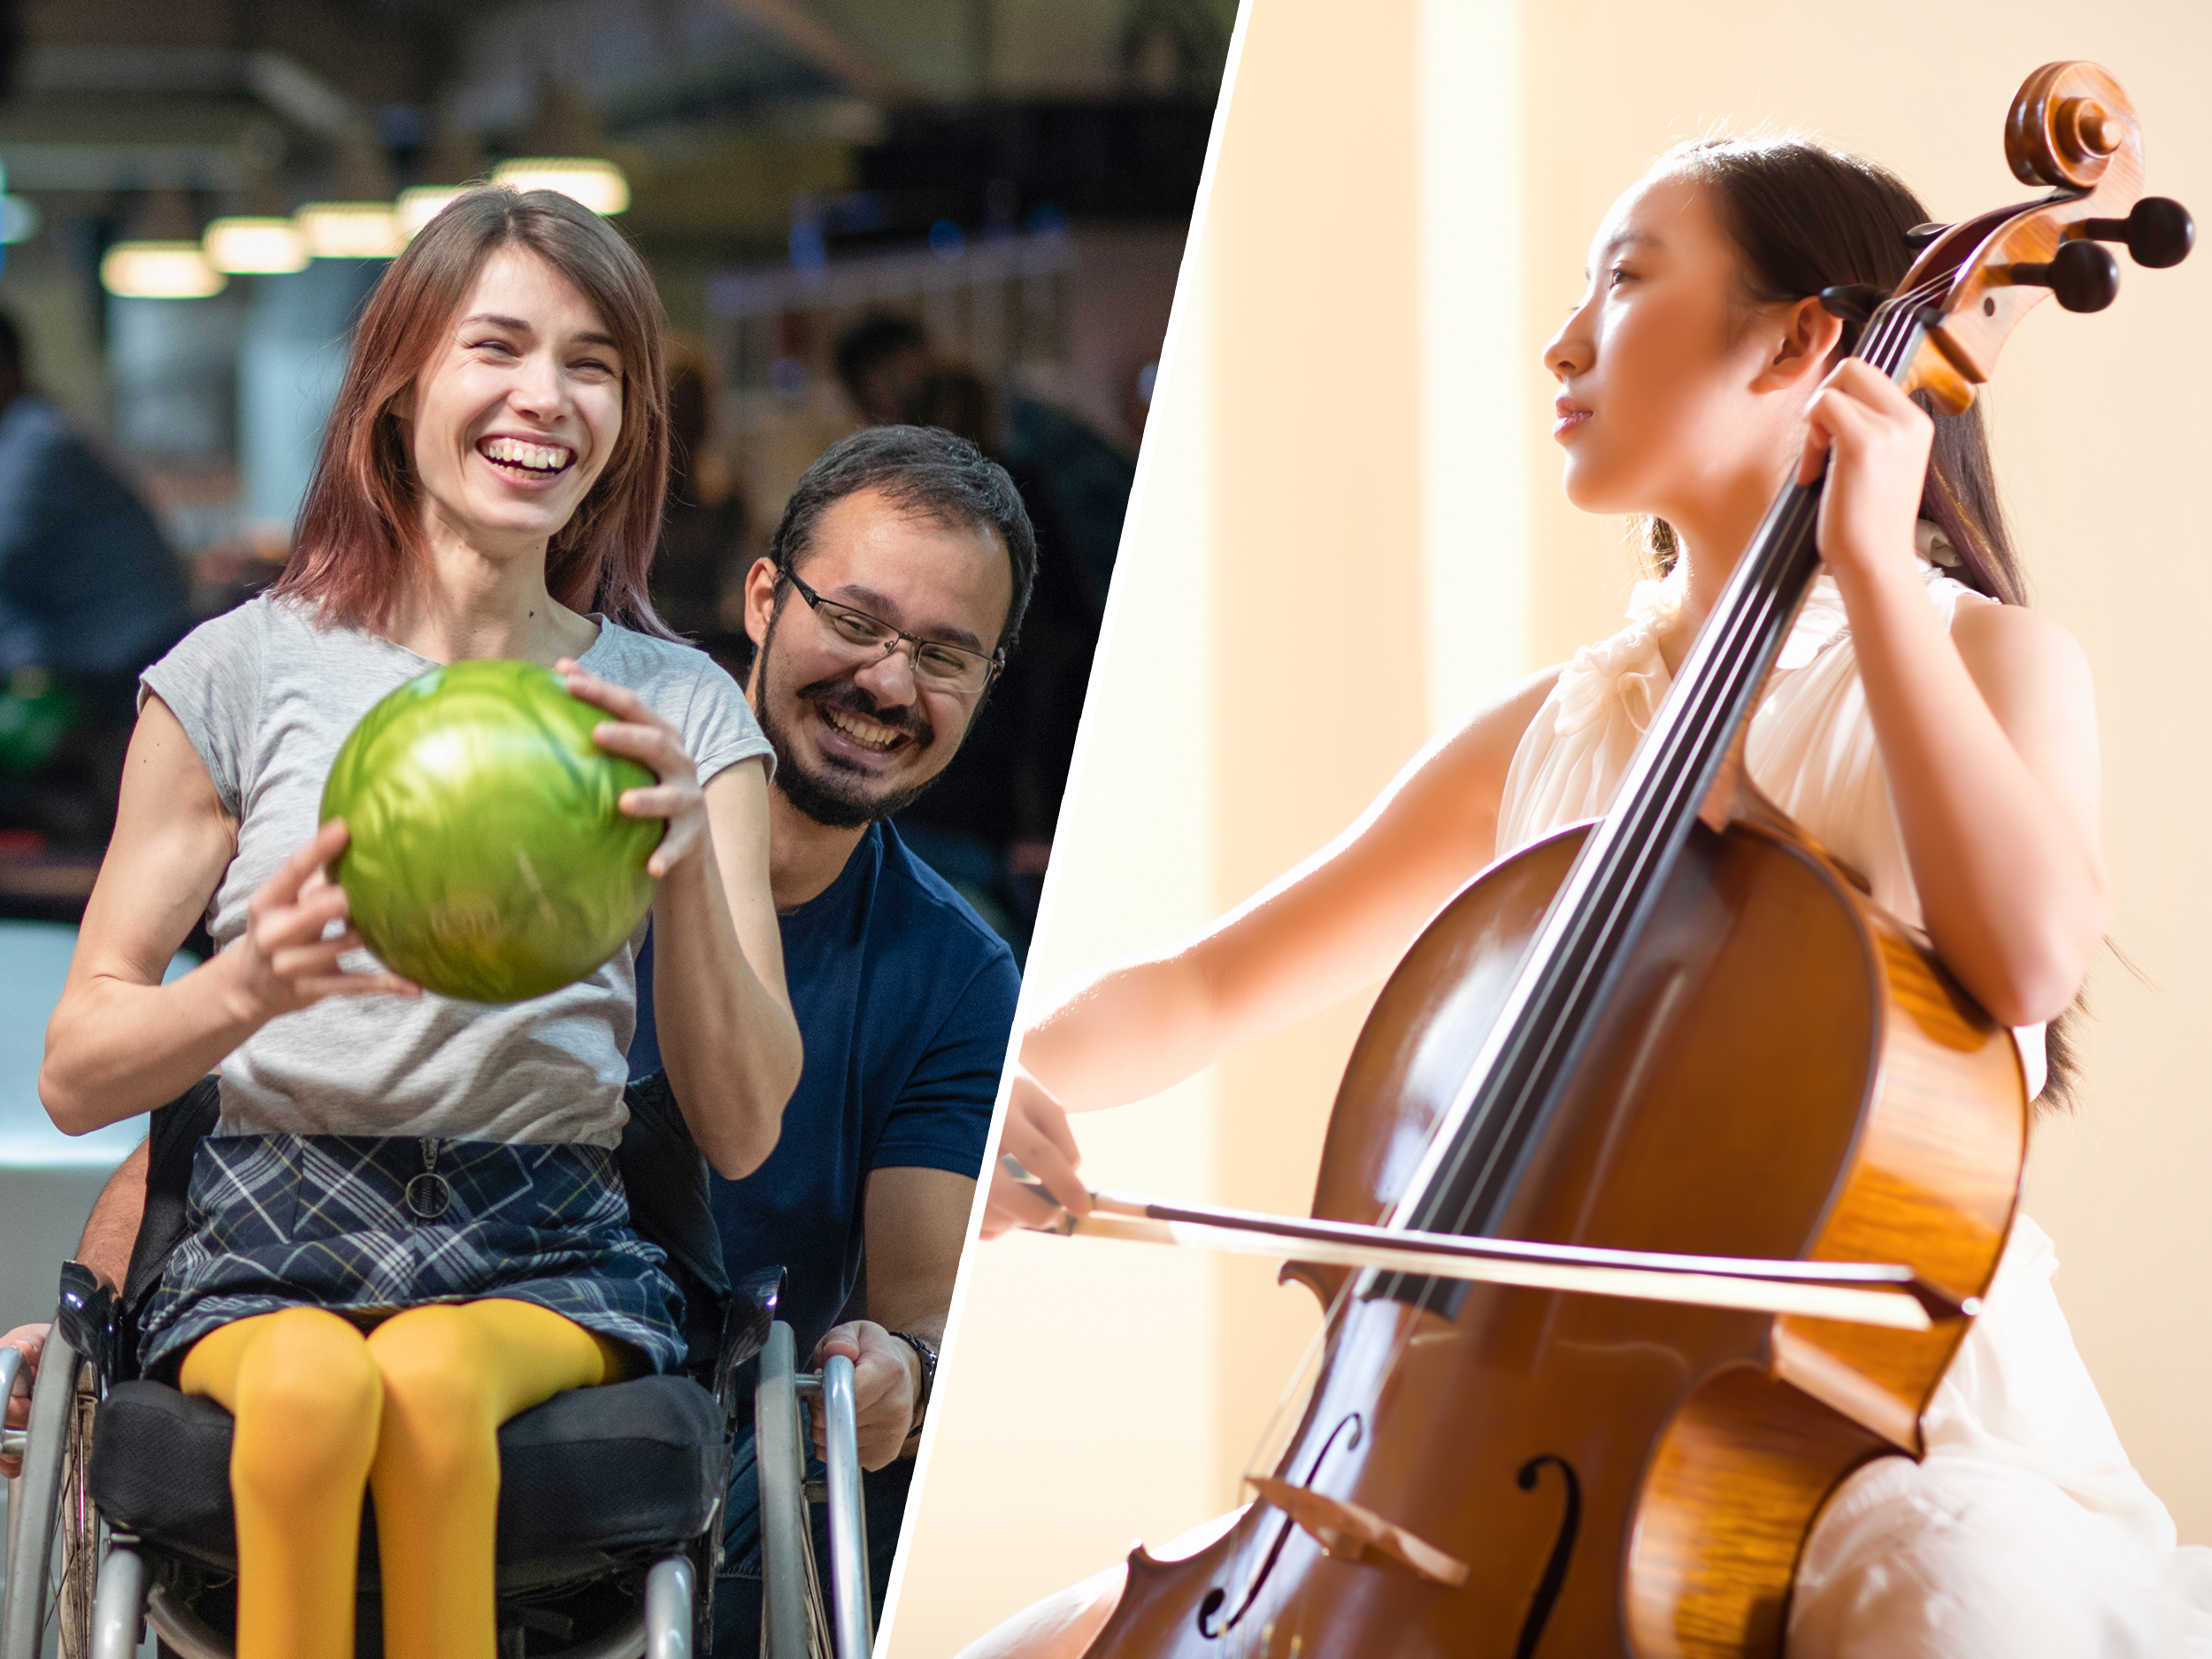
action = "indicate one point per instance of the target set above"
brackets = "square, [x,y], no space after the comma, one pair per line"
[589,1473]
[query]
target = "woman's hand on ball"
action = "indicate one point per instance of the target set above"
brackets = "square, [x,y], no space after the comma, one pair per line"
[286,961]
[640,734]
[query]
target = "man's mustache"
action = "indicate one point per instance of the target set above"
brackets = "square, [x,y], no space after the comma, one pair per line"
[840,692]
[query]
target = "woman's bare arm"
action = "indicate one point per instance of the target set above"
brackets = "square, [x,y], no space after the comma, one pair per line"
[1339,921]
[1989,736]
[727,1035]
[121,1042]
[1988,731]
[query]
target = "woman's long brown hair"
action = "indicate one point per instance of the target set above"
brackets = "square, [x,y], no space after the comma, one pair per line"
[1803,218]
[360,530]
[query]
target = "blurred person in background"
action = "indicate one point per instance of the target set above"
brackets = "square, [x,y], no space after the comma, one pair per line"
[988,827]
[89,595]
[702,556]
[884,362]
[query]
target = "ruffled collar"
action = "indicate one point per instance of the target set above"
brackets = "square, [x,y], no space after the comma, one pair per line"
[1628,662]
[1629,665]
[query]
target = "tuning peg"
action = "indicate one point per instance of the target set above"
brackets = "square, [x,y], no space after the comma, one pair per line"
[2158,231]
[2082,274]
[1854,301]
[1919,236]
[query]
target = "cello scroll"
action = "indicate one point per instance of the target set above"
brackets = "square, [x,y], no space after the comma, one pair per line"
[2073,127]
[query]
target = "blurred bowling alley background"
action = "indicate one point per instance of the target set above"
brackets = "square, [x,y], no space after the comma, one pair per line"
[964,211]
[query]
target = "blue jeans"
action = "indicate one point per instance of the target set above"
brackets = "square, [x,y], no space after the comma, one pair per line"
[737,1594]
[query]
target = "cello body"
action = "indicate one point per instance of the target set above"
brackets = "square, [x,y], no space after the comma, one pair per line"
[1784,1072]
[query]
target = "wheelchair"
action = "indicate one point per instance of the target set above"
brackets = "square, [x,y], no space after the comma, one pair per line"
[612,1499]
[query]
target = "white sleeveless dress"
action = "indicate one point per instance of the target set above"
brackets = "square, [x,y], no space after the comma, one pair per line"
[2025,1531]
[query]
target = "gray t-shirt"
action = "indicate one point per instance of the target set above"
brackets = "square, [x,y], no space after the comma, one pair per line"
[267,698]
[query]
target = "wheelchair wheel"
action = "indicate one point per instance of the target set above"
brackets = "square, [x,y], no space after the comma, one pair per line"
[53,1530]
[79,1569]
[792,1624]
[797,1623]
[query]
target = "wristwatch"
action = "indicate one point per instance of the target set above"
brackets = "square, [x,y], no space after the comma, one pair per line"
[927,1354]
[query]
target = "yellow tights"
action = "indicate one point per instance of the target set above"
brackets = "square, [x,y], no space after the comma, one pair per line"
[414,1409]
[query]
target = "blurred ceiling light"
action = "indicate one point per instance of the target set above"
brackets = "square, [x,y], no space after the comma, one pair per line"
[258,236]
[422,202]
[598,184]
[254,242]
[349,230]
[455,158]
[159,271]
[163,260]
[566,150]
[357,221]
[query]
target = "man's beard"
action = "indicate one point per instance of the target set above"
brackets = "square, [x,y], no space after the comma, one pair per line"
[830,795]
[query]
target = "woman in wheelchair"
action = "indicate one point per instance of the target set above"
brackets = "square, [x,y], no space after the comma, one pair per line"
[489,485]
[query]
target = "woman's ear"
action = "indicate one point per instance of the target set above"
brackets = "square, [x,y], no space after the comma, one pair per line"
[1807,339]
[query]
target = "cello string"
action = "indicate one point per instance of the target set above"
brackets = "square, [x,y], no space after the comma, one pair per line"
[1747,632]
[1747,629]
[1885,339]
[1624,858]
[1744,628]
[1615,891]
[1741,626]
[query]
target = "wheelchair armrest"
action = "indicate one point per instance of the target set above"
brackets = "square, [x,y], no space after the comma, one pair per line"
[754,1298]
[89,1318]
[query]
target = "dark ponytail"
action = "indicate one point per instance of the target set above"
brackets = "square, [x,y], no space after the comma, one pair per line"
[1804,219]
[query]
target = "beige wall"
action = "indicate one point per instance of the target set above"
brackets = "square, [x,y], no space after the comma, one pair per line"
[1318,664]
[1400,215]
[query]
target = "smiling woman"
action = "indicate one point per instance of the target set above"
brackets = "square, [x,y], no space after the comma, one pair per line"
[490,487]
[545,335]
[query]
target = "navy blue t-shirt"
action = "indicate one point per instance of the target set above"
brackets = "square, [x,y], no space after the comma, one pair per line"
[905,1000]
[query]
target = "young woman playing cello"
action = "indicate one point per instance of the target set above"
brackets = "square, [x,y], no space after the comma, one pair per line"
[490,486]
[1933,733]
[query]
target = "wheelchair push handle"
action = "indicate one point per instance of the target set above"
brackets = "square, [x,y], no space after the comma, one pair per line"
[849,1608]
[796,1624]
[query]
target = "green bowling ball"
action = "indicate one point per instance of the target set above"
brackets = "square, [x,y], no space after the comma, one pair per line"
[487,857]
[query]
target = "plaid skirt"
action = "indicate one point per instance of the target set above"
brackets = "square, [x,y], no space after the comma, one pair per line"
[365,1227]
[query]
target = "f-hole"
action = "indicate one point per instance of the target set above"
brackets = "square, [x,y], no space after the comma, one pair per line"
[1540,1604]
[1216,1596]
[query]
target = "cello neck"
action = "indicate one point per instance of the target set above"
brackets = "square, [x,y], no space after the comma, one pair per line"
[1476,1159]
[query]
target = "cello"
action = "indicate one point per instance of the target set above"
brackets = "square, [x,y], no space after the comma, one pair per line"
[1682,1031]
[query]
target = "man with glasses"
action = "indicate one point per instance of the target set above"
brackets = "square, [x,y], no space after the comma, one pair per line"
[890,600]
[887,603]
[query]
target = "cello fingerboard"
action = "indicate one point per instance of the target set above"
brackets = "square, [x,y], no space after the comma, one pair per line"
[1483,1147]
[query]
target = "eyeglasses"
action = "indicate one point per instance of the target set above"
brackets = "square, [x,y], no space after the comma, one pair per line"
[946,667]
